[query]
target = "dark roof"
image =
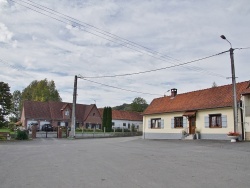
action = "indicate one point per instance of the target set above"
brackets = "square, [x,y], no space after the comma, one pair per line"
[124,115]
[215,97]
[53,110]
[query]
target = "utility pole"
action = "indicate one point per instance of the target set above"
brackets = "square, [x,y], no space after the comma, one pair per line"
[73,117]
[235,110]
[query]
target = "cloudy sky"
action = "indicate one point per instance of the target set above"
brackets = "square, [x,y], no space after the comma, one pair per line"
[113,37]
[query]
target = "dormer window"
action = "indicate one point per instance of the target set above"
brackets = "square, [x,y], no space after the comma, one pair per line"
[66,112]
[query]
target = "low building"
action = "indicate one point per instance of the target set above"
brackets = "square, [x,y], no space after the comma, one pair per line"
[59,114]
[125,119]
[209,111]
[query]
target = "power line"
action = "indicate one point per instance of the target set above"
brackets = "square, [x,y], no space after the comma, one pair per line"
[118,87]
[158,69]
[113,37]
[242,48]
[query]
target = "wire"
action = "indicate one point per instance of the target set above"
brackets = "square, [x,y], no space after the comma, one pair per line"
[112,36]
[118,87]
[242,48]
[158,69]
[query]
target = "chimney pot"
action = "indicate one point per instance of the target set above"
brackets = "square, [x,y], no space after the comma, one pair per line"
[173,92]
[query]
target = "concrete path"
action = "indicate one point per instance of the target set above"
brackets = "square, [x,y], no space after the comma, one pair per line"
[127,162]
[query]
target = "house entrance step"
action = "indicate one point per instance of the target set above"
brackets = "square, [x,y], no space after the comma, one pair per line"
[189,137]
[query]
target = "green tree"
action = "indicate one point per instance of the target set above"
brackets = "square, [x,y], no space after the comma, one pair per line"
[124,106]
[104,118]
[42,91]
[139,105]
[16,104]
[109,119]
[5,102]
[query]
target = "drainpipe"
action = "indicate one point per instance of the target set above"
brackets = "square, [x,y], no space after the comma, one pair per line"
[242,121]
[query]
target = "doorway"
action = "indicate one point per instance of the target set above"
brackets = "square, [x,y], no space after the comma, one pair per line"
[192,124]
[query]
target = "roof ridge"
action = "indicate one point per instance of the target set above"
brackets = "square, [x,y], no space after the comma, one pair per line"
[217,87]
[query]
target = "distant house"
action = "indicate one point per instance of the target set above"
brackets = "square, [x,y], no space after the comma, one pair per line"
[126,119]
[59,114]
[209,111]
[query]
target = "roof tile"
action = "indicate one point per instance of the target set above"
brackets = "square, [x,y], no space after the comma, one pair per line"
[215,97]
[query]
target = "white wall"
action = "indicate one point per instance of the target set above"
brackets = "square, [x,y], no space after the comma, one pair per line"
[246,118]
[200,122]
[119,123]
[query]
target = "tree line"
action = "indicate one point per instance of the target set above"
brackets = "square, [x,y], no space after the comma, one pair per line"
[11,103]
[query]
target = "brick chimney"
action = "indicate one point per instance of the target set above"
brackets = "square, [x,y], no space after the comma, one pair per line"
[173,92]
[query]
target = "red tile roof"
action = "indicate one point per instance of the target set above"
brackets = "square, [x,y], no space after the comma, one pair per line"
[216,97]
[53,110]
[124,115]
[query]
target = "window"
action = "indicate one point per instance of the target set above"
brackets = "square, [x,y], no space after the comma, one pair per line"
[129,126]
[215,121]
[67,112]
[124,124]
[156,123]
[58,123]
[178,122]
[113,123]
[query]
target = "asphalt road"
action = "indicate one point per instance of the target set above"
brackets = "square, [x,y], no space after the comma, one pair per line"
[128,162]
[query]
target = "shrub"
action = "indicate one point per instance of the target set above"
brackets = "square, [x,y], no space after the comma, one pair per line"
[12,126]
[22,135]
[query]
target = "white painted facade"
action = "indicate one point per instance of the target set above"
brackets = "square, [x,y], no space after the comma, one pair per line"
[167,130]
[246,114]
[127,124]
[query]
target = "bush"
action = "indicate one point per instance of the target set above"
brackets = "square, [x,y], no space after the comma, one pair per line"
[12,126]
[22,135]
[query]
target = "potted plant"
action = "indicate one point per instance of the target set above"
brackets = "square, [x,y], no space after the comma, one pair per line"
[233,136]
[198,134]
[183,133]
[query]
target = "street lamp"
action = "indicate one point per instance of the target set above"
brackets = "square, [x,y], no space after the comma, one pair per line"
[235,111]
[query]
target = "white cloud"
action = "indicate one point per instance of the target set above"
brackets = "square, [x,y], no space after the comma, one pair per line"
[42,47]
[5,34]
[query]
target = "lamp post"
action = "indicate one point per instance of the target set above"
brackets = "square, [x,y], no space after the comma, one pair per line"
[235,111]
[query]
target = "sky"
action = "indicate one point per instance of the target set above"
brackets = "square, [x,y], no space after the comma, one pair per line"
[114,37]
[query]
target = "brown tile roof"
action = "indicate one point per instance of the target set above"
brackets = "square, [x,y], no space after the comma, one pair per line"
[215,97]
[52,110]
[124,115]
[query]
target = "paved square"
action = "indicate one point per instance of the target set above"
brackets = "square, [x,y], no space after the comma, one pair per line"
[128,162]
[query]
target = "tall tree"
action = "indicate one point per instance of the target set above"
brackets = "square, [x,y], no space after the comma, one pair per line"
[109,119]
[5,102]
[104,118]
[42,91]
[16,104]
[139,104]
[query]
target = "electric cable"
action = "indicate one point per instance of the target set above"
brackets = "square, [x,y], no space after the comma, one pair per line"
[158,69]
[115,37]
[118,87]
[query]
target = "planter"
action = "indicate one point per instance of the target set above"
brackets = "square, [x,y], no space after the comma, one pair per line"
[233,138]
[198,136]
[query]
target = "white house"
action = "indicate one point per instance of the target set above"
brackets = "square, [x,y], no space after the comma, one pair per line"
[126,119]
[209,111]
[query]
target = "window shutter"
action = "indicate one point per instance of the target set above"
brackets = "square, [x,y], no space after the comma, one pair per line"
[172,123]
[206,119]
[224,121]
[162,123]
[149,123]
[184,122]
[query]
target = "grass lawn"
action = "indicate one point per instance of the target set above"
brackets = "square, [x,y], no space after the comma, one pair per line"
[6,130]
